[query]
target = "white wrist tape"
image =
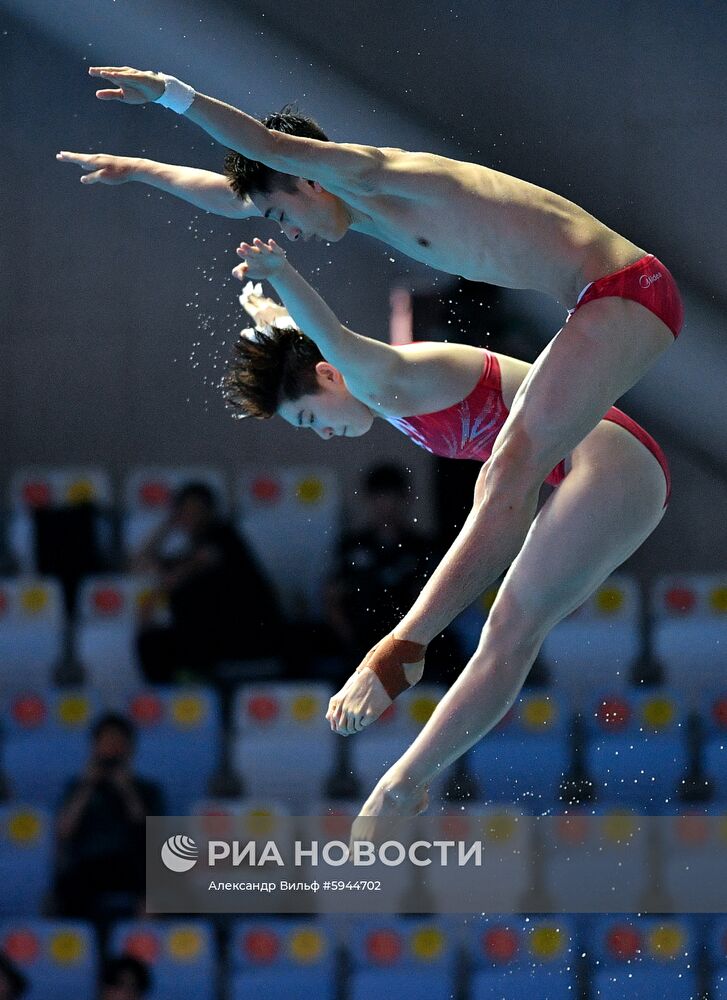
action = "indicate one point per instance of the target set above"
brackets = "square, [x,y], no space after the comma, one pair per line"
[177,96]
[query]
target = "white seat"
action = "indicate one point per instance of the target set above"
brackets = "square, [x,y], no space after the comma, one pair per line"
[694,861]
[504,832]
[291,519]
[375,749]
[689,633]
[105,635]
[148,493]
[602,859]
[283,747]
[32,625]
[601,640]
[39,487]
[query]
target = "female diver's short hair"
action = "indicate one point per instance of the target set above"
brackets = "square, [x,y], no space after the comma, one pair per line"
[270,366]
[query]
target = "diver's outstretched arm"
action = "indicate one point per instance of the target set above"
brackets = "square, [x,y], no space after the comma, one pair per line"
[350,165]
[370,367]
[202,188]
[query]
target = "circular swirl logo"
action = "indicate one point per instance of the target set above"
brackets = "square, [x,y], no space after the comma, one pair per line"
[179,853]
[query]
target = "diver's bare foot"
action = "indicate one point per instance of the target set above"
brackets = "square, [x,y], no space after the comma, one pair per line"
[361,701]
[381,677]
[388,799]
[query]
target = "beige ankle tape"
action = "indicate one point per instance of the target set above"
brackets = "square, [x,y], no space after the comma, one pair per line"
[387,660]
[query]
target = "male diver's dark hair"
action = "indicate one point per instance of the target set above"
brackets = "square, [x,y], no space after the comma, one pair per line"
[248,176]
[270,368]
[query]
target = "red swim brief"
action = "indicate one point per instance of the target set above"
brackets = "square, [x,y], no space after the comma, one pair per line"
[647,282]
[617,416]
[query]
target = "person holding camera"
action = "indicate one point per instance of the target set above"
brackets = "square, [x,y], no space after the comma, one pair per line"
[100,828]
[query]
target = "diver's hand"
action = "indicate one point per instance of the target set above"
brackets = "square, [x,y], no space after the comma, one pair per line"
[102,167]
[259,260]
[131,86]
[264,311]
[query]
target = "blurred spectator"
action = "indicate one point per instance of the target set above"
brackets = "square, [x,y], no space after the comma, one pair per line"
[13,985]
[221,605]
[381,570]
[101,829]
[71,542]
[124,978]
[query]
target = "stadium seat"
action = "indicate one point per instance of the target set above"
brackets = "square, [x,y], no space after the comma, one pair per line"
[601,855]
[272,958]
[410,958]
[642,958]
[717,957]
[468,625]
[506,869]
[523,760]
[693,849]
[291,520]
[600,642]
[46,743]
[26,859]
[32,626]
[645,984]
[516,958]
[714,748]
[689,632]
[40,489]
[181,955]
[636,751]
[59,958]
[179,740]
[105,636]
[375,749]
[282,745]
[148,494]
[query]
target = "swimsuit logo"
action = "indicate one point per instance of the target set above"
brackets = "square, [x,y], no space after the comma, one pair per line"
[647,280]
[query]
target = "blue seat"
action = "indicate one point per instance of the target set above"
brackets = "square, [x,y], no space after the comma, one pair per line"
[367,983]
[714,752]
[603,639]
[636,750]
[558,983]
[717,944]
[59,958]
[642,957]
[525,758]
[32,624]
[622,938]
[180,953]
[270,958]
[411,958]
[514,958]
[689,631]
[26,859]
[390,942]
[46,743]
[719,986]
[272,984]
[645,984]
[179,742]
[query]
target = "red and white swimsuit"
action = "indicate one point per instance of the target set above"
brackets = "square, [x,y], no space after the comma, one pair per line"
[468,429]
